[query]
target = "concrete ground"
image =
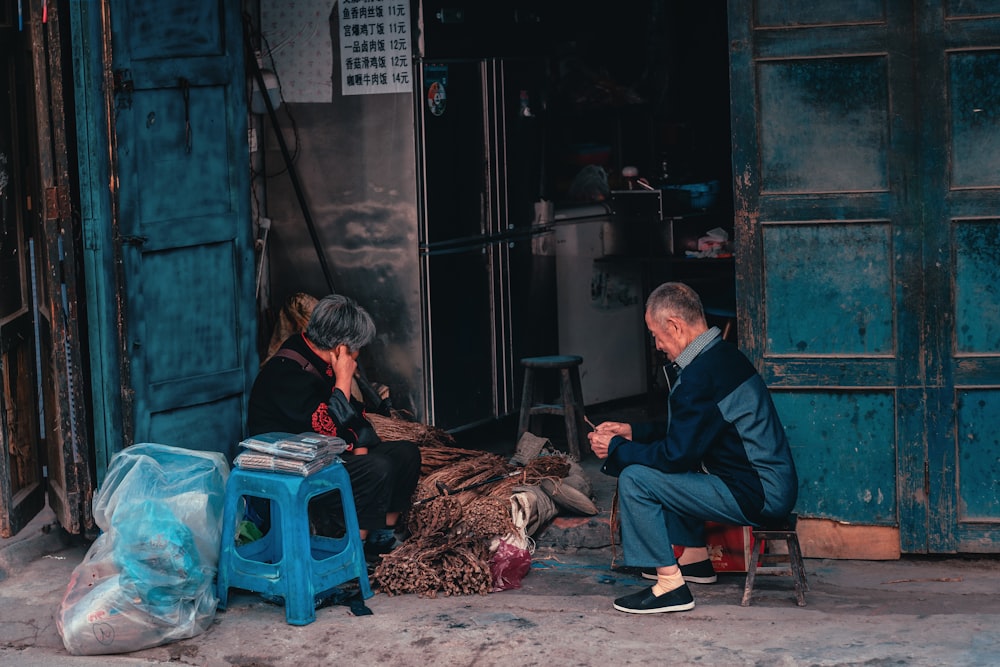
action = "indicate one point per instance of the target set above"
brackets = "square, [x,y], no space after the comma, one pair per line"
[914,611]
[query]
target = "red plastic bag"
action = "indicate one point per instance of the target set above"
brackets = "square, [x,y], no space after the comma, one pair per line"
[508,565]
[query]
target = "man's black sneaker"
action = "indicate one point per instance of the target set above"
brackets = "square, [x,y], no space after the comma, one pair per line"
[701,572]
[645,602]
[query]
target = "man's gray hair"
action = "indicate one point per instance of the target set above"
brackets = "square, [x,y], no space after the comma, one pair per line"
[677,300]
[339,320]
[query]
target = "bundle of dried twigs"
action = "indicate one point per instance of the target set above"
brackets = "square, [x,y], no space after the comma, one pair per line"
[398,427]
[432,565]
[450,533]
[433,458]
[448,551]
[478,470]
[488,517]
[434,518]
[462,472]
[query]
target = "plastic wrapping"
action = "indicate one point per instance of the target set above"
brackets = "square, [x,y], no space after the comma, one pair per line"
[148,579]
[510,558]
[508,565]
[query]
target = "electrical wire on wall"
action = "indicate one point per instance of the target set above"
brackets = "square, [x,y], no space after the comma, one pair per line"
[286,154]
[256,37]
[259,47]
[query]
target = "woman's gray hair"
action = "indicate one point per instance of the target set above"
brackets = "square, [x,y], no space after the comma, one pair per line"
[339,320]
[677,300]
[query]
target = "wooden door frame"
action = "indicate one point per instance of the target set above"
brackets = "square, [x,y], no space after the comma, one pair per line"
[95,90]
[70,485]
[59,446]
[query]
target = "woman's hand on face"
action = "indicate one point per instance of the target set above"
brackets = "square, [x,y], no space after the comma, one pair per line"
[344,363]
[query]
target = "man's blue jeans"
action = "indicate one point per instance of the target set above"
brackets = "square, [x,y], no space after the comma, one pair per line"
[657,510]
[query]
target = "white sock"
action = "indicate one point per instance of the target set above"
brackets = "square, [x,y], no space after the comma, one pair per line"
[667,582]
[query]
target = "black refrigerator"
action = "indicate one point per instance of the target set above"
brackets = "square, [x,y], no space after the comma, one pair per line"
[487,265]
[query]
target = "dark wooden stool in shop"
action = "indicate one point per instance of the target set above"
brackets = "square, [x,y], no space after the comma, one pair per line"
[777,563]
[570,404]
[727,317]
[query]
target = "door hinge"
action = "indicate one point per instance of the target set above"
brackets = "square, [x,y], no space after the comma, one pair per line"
[123,88]
[57,205]
[927,479]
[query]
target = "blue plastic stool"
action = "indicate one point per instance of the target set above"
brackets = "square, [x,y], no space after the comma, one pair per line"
[289,561]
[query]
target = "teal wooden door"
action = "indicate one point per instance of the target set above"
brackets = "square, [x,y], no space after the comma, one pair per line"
[183,287]
[867,179]
[961,199]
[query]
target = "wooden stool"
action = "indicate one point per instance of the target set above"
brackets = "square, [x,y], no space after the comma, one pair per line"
[728,317]
[570,404]
[777,563]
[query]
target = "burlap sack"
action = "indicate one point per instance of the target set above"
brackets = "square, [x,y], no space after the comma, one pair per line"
[567,497]
[528,447]
[533,503]
[579,481]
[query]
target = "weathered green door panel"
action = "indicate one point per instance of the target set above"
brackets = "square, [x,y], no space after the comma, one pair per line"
[180,231]
[844,448]
[179,28]
[867,178]
[181,158]
[198,426]
[977,286]
[972,8]
[978,445]
[824,124]
[848,313]
[781,13]
[974,83]
[194,335]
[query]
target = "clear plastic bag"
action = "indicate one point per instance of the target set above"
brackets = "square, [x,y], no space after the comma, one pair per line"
[148,579]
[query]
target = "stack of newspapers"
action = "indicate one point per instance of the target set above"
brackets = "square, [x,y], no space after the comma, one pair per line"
[301,454]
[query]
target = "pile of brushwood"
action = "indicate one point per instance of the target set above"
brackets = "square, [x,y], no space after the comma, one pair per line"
[462,508]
